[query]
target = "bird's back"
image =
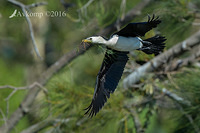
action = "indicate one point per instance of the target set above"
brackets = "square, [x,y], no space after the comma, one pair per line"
[127,43]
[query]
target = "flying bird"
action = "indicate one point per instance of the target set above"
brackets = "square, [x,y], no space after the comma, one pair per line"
[118,46]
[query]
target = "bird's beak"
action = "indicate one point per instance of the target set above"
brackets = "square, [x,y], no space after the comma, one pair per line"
[87,41]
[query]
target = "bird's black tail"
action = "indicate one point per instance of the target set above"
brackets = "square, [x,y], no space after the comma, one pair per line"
[153,45]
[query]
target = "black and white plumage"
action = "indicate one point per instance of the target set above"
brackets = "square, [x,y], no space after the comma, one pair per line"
[118,46]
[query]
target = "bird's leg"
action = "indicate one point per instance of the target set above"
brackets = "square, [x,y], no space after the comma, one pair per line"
[144,48]
[146,43]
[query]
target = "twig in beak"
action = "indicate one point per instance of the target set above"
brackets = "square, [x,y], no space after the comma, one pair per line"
[84,44]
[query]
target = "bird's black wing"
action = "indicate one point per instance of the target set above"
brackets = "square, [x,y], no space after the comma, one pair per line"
[139,29]
[107,79]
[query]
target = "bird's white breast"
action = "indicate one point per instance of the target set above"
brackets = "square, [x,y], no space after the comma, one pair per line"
[121,43]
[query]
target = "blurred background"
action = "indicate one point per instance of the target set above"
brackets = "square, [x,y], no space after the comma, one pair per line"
[70,90]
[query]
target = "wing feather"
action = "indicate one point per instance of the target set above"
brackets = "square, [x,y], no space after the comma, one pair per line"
[139,29]
[107,79]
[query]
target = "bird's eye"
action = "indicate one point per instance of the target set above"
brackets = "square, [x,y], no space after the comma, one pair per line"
[90,38]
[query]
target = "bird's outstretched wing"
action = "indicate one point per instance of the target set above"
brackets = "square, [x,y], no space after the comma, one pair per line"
[107,79]
[139,29]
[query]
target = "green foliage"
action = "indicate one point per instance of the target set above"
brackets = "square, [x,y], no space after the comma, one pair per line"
[190,89]
[11,74]
[69,95]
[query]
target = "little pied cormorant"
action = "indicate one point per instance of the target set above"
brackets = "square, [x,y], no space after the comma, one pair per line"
[118,46]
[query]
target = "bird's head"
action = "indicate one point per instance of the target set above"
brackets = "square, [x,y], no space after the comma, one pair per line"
[94,39]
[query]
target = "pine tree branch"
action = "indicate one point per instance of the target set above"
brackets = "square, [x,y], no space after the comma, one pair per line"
[180,100]
[189,117]
[175,97]
[36,5]
[24,107]
[45,123]
[161,59]
[24,8]
[184,62]
[137,123]
[4,118]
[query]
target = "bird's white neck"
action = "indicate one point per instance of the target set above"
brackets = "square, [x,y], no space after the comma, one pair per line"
[111,42]
[102,41]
